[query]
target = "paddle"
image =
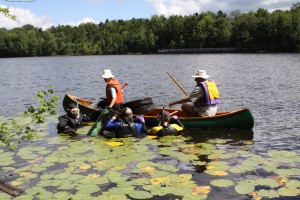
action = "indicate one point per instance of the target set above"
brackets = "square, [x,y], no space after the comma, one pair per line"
[98,125]
[177,84]
[125,84]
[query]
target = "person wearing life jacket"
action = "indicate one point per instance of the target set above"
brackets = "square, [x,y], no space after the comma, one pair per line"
[204,97]
[125,125]
[71,121]
[168,125]
[114,93]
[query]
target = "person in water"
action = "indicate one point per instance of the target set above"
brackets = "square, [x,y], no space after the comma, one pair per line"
[114,93]
[71,121]
[204,97]
[125,125]
[168,125]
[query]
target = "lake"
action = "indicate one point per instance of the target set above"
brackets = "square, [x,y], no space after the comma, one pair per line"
[266,83]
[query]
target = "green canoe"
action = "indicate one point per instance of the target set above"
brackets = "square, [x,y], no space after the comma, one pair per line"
[238,119]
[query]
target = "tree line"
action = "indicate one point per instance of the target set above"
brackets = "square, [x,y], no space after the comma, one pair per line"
[259,31]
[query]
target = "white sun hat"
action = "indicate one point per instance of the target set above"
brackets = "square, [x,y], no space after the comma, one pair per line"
[107,74]
[201,74]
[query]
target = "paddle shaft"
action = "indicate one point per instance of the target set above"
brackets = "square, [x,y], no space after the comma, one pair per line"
[125,84]
[177,84]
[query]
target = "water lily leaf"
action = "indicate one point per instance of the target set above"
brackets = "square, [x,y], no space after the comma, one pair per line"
[201,190]
[114,143]
[284,172]
[75,177]
[289,192]
[244,188]
[24,197]
[268,193]
[222,183]
[88,189]
[110,196]
[121,190]
[4,196]
[45,195]
[15,183]
[140,195]
[62,176]
[140,181]
[249,163]
[159,174]
[62,195]
[267,182]
[216,172]
[158,180]
[85,167]
[293,184]
[35,190]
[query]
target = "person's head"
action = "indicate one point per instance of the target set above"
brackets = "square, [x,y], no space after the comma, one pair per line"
[127,114]
[200,75]
[73,110]
[107,75]
[164,116]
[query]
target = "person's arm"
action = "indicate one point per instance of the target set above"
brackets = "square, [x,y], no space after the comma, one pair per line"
[113,93]
[141,126]
[112,125]
[175,120]
[183,100]
[62,126]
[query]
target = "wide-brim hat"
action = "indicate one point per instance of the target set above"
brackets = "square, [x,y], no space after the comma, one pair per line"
[107,74]
[201,74]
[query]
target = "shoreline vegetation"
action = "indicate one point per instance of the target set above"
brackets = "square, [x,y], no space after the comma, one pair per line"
[257,31]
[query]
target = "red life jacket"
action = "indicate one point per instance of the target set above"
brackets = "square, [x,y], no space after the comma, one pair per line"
[114,83]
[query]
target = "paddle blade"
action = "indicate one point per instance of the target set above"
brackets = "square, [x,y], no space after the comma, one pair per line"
[98,127]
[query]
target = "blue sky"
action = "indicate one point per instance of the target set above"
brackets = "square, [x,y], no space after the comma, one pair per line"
[47,13]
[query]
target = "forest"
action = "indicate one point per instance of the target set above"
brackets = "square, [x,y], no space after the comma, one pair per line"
[255,31]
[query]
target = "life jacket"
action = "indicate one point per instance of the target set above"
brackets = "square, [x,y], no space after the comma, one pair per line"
[73,123]
[114,83]
[171,129]
[210,95]
[126,130]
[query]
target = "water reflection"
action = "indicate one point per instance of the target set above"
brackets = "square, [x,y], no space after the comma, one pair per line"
[202,135]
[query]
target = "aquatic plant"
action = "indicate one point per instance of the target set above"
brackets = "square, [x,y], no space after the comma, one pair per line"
[14,131]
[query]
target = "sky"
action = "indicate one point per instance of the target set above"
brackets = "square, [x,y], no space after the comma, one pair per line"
[47,13]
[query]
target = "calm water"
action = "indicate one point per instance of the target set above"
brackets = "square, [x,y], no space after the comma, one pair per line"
[267,83]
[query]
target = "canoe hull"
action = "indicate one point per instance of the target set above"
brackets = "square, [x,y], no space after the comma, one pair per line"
[240,119]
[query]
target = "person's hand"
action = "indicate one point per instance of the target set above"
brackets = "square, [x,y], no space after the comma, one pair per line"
[68,129]
[174,117]
[141,118]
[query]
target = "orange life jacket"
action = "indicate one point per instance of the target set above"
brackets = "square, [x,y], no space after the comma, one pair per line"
[114,83]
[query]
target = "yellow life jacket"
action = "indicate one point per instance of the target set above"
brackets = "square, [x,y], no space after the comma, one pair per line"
[212,90]
[155,130]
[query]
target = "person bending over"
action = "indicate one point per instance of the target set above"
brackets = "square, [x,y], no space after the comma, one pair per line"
[125,125]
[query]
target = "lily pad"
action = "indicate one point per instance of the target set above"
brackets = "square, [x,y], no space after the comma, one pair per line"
[244,188]
[140,195]
[222,183]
